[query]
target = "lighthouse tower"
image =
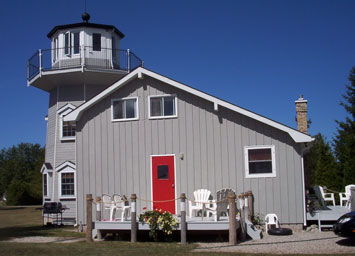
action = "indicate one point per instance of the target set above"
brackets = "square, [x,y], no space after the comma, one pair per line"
[83,60]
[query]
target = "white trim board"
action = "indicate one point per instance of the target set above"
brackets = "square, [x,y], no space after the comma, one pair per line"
[75,115]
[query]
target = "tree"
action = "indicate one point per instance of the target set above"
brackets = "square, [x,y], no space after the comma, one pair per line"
[19,173]
[344,142]
[320,164]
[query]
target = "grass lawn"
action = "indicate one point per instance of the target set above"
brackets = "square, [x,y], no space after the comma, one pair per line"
[26,221]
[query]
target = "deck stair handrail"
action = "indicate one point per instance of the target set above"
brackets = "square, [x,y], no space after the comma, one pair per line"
[81,57]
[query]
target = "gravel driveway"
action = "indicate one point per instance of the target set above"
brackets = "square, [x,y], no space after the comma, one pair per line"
[298,243]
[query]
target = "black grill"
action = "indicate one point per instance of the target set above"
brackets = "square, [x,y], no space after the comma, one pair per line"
[54,209]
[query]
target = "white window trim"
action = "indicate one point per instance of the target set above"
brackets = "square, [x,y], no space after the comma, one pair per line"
[161,96]
[260,175]
[69,168]
[62,112]
[72,43]
[125,119]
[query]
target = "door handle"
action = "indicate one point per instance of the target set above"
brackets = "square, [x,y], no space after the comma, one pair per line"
[173,185]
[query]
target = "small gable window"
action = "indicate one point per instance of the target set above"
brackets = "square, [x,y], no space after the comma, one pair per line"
[124,109]
[260,161]
[67,129]
[96,42]
[162,106]
[66,180]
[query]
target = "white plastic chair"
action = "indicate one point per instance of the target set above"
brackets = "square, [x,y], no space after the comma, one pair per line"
[200,196]
[119,204]
[344,197]
[271,219]
[327,196]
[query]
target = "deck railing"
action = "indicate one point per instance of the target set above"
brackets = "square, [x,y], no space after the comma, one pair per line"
[80,57]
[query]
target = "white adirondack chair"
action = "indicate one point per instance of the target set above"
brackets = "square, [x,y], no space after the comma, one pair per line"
[200,196]
[119,204]
[220,205]
[271,219]
[107,203]
[344,197]
[327,196]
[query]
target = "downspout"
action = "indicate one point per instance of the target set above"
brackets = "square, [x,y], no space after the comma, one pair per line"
[303,150]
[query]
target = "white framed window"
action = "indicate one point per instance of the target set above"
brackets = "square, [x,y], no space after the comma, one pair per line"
[124,109]
[45,185]
[76,42]
[67,180]
[67,43]
[67,129]
[260,161]
[96,42]
[162,106]
[55,49]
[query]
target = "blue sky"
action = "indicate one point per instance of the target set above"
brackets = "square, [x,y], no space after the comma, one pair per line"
[259,55]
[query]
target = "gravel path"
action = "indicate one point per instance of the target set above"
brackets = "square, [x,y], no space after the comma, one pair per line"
[298,243]
[44,239]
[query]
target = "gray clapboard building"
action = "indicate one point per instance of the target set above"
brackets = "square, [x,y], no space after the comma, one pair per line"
[114,126]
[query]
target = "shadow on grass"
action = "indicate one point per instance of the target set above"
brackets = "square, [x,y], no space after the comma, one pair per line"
[11,208]
[10,232]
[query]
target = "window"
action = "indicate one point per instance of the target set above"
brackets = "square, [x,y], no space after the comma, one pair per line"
[162,106]
[124,109]
[163,172]
[68,129]
[45,185]
[260,161]
[67,43]
[114,53]
[55,49]
[96,42]
[66,180]
[76,42]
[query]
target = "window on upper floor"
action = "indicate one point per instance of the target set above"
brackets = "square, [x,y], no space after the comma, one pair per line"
[55,49]
[162,106]
[124,109]
[76,42]
[67,129]
[67,43]
[96,42]
[260,161]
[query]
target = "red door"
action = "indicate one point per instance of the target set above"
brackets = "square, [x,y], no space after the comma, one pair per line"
[163,179]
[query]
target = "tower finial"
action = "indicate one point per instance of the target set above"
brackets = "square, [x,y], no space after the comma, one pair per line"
[85,16]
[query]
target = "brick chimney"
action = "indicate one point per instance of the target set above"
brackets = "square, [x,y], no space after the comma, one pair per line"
[301,111]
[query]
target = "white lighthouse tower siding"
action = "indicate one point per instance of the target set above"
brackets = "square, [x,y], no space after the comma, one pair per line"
[84,59]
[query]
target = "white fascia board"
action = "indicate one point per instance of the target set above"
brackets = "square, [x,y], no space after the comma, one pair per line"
[75,115]
[297,136]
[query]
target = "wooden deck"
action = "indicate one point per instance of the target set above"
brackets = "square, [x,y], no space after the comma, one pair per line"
[192,224]
[328,216]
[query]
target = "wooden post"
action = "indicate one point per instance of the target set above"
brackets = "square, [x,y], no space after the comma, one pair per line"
[242,216]
[98,208]
[133,219]
[183,218]
[232,221]
[250,205]
[89,217]
[352,198]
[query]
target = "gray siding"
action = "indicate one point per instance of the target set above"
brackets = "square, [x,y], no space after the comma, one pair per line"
[114,157]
